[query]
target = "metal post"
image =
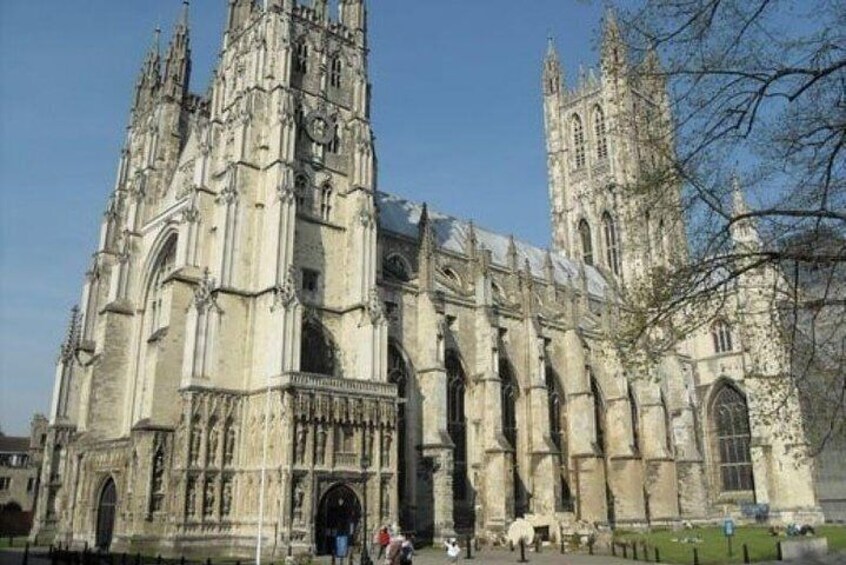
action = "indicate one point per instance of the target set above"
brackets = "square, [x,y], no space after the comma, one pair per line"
[159,559]
[613,549]
[645,552]
[778,551]
[522,551]
[695,556]
[745,553]
[563,551]
[537,544]
[469,547]
[634,550]
[657,556]
[25,559]
[625,551]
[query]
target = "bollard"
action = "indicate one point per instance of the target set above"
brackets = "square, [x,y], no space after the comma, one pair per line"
[85,548]
[591,541]
[510,545]
[645,552]
[158,559]
[333,558]
[778,551]
[182,560]
[137,559]
[25,559]
[208,560]
[745,553]
[522,551]
[476,544]
[657,556]
[123,558]
[469,547]
[634,550]
[695,556]
[625,550]
[537,544]
[563,550]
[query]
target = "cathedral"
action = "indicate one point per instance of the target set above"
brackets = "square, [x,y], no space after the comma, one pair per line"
[270,350]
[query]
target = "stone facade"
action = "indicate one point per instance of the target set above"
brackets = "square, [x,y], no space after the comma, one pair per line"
[20,466]
[264,336]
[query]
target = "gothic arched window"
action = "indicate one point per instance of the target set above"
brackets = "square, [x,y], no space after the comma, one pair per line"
[326,202]
[317,350]
[395,267]
[334,146]
[578,141]
[509,392]
[398,374]
[156,295]
[731,420]
[301,191]
[635,416]
[335,71]
[556,409]
[301,57]
[598,415]
[600,133]
[587,242]
[612,246]
[457,422]
[721,334]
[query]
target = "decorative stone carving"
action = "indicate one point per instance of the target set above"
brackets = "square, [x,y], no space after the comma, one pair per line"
[205,293]
[375,307]
[320,448]
[285,293]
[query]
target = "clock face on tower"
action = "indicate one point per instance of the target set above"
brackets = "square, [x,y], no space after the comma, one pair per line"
[320,127]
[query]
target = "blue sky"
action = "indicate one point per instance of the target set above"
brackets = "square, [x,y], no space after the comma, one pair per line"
[457,111]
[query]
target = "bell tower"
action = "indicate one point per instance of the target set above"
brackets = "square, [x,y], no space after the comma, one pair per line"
[606,135]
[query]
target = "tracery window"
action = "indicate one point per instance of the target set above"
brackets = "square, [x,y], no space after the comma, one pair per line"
[156,289]
[721,334]
[733,437]
[457,422]
[317,350]
[301,57]
[599,131]
[578,141]
[395,267]
[335,71]
[398,374]
[587,242]
[612,247]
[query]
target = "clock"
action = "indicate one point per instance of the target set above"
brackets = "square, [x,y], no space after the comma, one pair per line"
[320,127]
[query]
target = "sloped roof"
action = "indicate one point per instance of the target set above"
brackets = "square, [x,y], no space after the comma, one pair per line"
[10,444]
[402,217]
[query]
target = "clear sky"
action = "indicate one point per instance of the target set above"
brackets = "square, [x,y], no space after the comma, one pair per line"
[457,111]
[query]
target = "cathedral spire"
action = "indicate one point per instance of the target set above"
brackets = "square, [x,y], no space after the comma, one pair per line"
[552,76]
[744,230]
[178,59]
[613,58]
[149,78]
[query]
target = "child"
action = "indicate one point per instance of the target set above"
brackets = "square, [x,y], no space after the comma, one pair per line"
[452,549]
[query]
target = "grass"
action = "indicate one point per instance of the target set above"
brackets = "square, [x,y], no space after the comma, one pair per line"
[17,541]
[713,548]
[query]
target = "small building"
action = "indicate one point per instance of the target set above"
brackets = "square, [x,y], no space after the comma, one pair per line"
[20,461]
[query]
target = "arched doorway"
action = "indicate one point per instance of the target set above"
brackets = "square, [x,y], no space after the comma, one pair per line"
[106,515]
[339,513]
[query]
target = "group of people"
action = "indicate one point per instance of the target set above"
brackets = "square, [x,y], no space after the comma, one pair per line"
[396,548]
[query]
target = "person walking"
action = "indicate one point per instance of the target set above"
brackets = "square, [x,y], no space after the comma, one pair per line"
[407,551]
[383,538]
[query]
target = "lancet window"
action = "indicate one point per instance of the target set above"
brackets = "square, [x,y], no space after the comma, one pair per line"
[733,436]
[721,334]
[398,374]
[156,295]
[326,202]
[587,242]
[612,246]
[600,133]
[335,72]
[635,416]
[301,57]
[578,141]
[598,415]
[457,422]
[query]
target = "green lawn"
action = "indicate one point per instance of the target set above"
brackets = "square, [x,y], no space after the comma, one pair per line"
[713,548]
[16,541]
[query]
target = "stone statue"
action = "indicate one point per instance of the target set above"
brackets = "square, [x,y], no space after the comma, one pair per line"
[320,455]
[299,497]
[302,435]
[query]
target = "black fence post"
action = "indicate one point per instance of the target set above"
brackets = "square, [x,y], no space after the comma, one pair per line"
[695,556]
[333,558]
[779,556]
[538,544]
[208,561]
[634,550]
[138,558]
[625,550]
[510,545]
[591,541]
[522,551]
[469,547]
[123,558]
[745,553]
[182,560]
[614,548]
[158,559]
[25,559]
[645,552]
[563,550]
[657,556]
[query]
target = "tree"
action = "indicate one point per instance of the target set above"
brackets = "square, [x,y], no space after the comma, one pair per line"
[757,90]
